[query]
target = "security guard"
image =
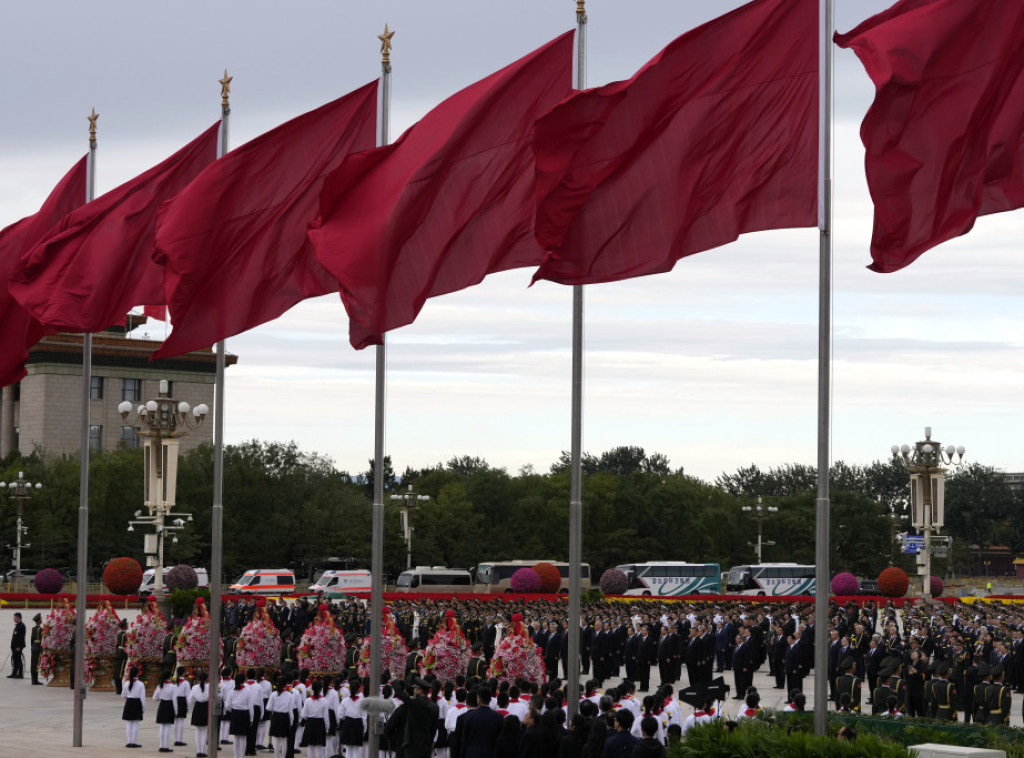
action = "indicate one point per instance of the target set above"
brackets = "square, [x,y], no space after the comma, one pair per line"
[882,693]
[36,645]
[848,682]
[121,654]
[983,674]
[944,694]
[998,698]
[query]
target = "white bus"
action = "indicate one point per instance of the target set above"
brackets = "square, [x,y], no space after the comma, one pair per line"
[496,576]
[434,579]
[771,579]
[663,578]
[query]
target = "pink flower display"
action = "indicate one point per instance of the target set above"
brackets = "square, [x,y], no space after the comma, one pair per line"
[100,636]
[57,632]
[447,653]
[259,643]
[146,635]
[393,650]
[193,644]
[517,655]
[322,647]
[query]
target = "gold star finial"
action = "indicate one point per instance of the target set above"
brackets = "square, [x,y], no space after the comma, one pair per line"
[385,45]
[225,89]
[92,117]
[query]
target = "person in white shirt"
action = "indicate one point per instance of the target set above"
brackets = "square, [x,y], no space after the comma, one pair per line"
[238,706]
[516,705]
[199,700]
[279,706]
[333,700]
[314,714]
[225,686]
[353,722]
[180,706]
[133,691]
[700,716]
[265,689]
[750,708]
[165,694]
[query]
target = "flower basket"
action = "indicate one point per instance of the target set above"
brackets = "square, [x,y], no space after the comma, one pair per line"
[57,666]
[145,645]
[517,656]
[259,644]
[99,671]
[393,650]
[192,647]
[447,654]
[55,658]
[322,647]
[101,646]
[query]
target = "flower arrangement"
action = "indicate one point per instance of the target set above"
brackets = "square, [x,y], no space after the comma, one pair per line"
[123,576]
[322,647]
[181,577]
[525,580]
[259,643]
[517,655]
[100,637]
[447,653]
[146,634]
[893,582]
[393,650]
[58,630]
[550,578]
[614,582]
[48,582]
[845,583]
[193,644]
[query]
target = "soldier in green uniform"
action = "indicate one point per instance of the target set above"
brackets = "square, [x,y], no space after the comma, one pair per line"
[882,693]
[998,698]
[898,684]
[287,652]
[477,666]
[983,677]
[121,655]
[230,641]
[944,694]
[36,646]
[170,657]
[848,683]
[958,676]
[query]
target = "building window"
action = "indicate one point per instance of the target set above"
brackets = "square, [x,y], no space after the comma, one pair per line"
[17,392]
[131,389]
[170,389]
[129,438]
[96,388]
[95,437]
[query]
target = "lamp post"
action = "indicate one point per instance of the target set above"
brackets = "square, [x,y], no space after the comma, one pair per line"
[925,461]
[19,491]
[160,422]
[409,499]
[759,513]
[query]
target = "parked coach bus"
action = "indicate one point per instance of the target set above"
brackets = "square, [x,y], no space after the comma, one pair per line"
[771,579]
[434,579]
[496,576]
[662,578]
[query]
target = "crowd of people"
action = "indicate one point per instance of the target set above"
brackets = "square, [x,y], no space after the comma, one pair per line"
[931,659]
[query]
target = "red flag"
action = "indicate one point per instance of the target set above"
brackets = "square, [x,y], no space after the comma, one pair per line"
[18,330]
[234,246]
[716,136]
[156,312]
[448,203]
[95,265]
[945,134]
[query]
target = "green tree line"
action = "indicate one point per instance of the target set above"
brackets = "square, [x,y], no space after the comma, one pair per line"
[288,507]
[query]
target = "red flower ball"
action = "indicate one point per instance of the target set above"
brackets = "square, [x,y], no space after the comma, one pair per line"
[123,576]
[893,582]
[550,578]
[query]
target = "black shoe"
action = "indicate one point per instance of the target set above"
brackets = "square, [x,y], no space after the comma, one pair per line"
[225,742]
[128,744]
[180,744]
[200,755]
[39,683]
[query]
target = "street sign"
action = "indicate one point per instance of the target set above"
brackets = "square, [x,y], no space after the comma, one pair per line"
[913,543]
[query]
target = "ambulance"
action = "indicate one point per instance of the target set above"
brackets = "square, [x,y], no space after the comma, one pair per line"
[264,582]
[355,580]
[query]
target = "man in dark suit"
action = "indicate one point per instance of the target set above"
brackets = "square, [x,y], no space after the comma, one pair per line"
[620,743]
[552,649]
[631,655]
[490,637]
[795,663]
[586,640]
[647,651]
[834,649]
[18,649]
[420,722]
[691,656]
[741,666]
[564,652]
[600,652]
[480,728]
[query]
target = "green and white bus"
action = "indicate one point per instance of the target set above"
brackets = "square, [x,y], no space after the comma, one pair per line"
[664,578]
[771,579]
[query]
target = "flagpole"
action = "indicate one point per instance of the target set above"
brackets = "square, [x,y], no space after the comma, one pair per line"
[82,575]
[377,546]
[576,433]
[821,550]
[217,510]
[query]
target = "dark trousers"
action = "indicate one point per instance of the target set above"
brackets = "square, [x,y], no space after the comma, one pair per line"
[250,738]
[644,674]
[17,664]
[794,682]
[585,661]
[36,652]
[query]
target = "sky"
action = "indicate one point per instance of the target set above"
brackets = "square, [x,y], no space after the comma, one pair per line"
[713,364]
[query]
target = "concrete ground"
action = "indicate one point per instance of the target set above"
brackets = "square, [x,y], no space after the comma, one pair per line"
[38,721]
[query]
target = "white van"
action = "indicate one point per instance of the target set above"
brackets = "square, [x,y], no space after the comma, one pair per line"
[434,579]
[357,580]
[149,577]
[265,582]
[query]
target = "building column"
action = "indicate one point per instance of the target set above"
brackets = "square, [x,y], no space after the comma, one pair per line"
[7,422]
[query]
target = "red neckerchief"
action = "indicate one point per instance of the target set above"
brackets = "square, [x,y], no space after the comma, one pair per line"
[502,711]
[751,712]
[240,687]
[712,711]
[667,702]
[354,698]
[316,697]
[460,706]
[699,714]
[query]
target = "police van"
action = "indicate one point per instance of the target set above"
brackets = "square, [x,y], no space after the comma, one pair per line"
[356,580]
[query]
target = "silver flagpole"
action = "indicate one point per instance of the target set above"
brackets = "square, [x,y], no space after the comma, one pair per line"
[576,442]
[822,544]
[82,578]
[377,546]
[217,511]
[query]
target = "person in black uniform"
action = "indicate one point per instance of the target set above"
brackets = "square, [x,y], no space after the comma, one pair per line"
[37,649]
[17,649]
[647,651]
[586,640]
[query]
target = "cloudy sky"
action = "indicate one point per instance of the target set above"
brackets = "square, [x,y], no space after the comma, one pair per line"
[713,364]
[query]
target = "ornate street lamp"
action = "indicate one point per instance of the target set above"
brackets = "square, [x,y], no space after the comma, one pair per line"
[160,423]
[759,513]
[409,499]
[925,461]
[19,491]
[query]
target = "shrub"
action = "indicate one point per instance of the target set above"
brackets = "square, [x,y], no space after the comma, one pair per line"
[123,576]
[181,577]
[525,580]
[845,583]
[48,582]
[613,582]
[893,582]
[937,587]
[183,602]
[550,578]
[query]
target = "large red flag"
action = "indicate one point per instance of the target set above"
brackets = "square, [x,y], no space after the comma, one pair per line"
[714,137]
[234,246]
[18,330]
[95,265]
[448,203]
[945,135]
